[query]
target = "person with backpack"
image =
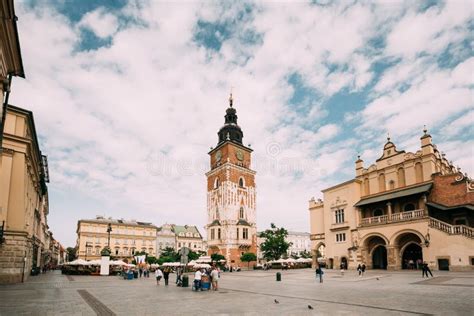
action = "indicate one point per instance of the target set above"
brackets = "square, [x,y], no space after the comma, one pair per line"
[166,274]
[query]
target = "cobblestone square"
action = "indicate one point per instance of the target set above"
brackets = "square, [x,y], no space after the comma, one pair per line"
[246,293]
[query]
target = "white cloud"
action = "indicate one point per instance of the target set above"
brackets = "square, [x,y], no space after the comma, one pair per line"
[100,22]
[129,125]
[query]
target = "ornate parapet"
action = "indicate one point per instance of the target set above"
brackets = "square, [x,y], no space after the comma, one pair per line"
[317,236]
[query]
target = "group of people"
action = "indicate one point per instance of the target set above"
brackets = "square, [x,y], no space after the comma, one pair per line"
[145,271]
[163,274]
[361,269]
[231,268]
[214,275]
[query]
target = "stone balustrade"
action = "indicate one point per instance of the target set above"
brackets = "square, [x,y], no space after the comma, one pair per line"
[396,217]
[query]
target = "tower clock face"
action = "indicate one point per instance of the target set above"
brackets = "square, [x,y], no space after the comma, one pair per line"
[239,154]
[218,155]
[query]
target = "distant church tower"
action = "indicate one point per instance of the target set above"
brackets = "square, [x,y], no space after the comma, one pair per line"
[231,194]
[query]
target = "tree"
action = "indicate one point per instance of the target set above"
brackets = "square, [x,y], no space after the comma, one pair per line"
[248,257]
[217,257]
[168,255]
[307,254]
[193,256]
[71,253]
[275,245]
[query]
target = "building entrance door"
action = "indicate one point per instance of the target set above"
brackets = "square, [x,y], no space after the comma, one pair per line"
[412,257]
[379,258]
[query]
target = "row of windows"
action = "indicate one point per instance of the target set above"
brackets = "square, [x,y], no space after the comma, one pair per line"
[117,251]
[245,233]
[189,245]
[341,237]
[119,241]
[241,183]
[391,183]
[119,231]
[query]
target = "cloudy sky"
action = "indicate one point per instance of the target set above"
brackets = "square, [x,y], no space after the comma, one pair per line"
[128,97]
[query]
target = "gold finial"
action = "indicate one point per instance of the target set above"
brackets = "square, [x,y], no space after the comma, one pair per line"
[231,99]
[388,137]
[424,129]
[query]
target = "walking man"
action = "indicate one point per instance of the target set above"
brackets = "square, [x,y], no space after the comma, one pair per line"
[425,269]
[319,272]
[158,275]
[359,269]
[214,278]
[166,274]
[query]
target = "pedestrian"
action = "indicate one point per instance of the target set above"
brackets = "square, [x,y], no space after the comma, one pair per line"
[359,269]
[166,274]
[158,275]
[214,278]
[197,280]
[363,268]
[342,268]
[319,272]
[425,269]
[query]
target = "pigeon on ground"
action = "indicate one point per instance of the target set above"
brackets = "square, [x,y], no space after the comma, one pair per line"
[310,307]
[276,302]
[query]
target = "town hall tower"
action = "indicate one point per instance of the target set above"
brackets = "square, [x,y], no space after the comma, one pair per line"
[231,194]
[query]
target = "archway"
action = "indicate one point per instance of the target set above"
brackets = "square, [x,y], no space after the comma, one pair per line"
[379,257]
[412,255]
[408,250]
[344,263]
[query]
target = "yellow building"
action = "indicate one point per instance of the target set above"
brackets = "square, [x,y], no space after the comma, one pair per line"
[126,238]
[404,209]
[10,55]
[23,199]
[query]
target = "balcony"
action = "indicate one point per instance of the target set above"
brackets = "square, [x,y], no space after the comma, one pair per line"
[394,218]
[317,236]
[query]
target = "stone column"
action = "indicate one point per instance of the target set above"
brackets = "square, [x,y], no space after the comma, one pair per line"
[389,209]
[423,205]
[393,260]
[359,216]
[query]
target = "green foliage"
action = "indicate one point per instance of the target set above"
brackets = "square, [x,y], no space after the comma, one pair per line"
[151,260]
[248,257]
[106,252]
[140,253]
[294,256]
[217,257]
[306,254]
[193,255]
[275,246]
[71,253]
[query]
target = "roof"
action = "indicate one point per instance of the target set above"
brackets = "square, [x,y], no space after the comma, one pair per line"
[395,194]
[339,185]
[103,220]
[186,229]
[298,233]
[447,208]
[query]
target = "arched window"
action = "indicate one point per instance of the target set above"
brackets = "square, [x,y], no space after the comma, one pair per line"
[401,177]
[241,212]
[241,182]
[409,207]
[216,183]
[419,172]
[378,212]
[218,233]
[391,185]
[382,182]
[366,186]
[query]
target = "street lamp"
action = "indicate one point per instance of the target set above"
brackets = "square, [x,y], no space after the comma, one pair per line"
[109,230]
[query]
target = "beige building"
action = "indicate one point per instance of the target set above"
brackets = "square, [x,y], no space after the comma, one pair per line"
[10,55]
[126,238]
[404,209]
[165,238]
[188,236]
[23,199]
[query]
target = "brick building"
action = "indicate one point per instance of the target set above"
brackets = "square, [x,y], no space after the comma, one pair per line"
[231,194]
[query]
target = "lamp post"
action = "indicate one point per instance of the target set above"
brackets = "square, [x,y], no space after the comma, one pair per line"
[109,230]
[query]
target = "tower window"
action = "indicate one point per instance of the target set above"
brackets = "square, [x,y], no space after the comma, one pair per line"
[241,212]
[218,233]
[241,182]
[238,233]
[216,183]
[245,233]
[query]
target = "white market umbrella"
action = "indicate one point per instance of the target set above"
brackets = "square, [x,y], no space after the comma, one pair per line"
[291,260]
[301,260]
[117,263]
[192,263]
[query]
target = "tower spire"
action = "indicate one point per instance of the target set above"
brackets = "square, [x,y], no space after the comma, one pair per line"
[231,99]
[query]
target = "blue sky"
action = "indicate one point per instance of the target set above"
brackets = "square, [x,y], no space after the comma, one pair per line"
[128,97]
